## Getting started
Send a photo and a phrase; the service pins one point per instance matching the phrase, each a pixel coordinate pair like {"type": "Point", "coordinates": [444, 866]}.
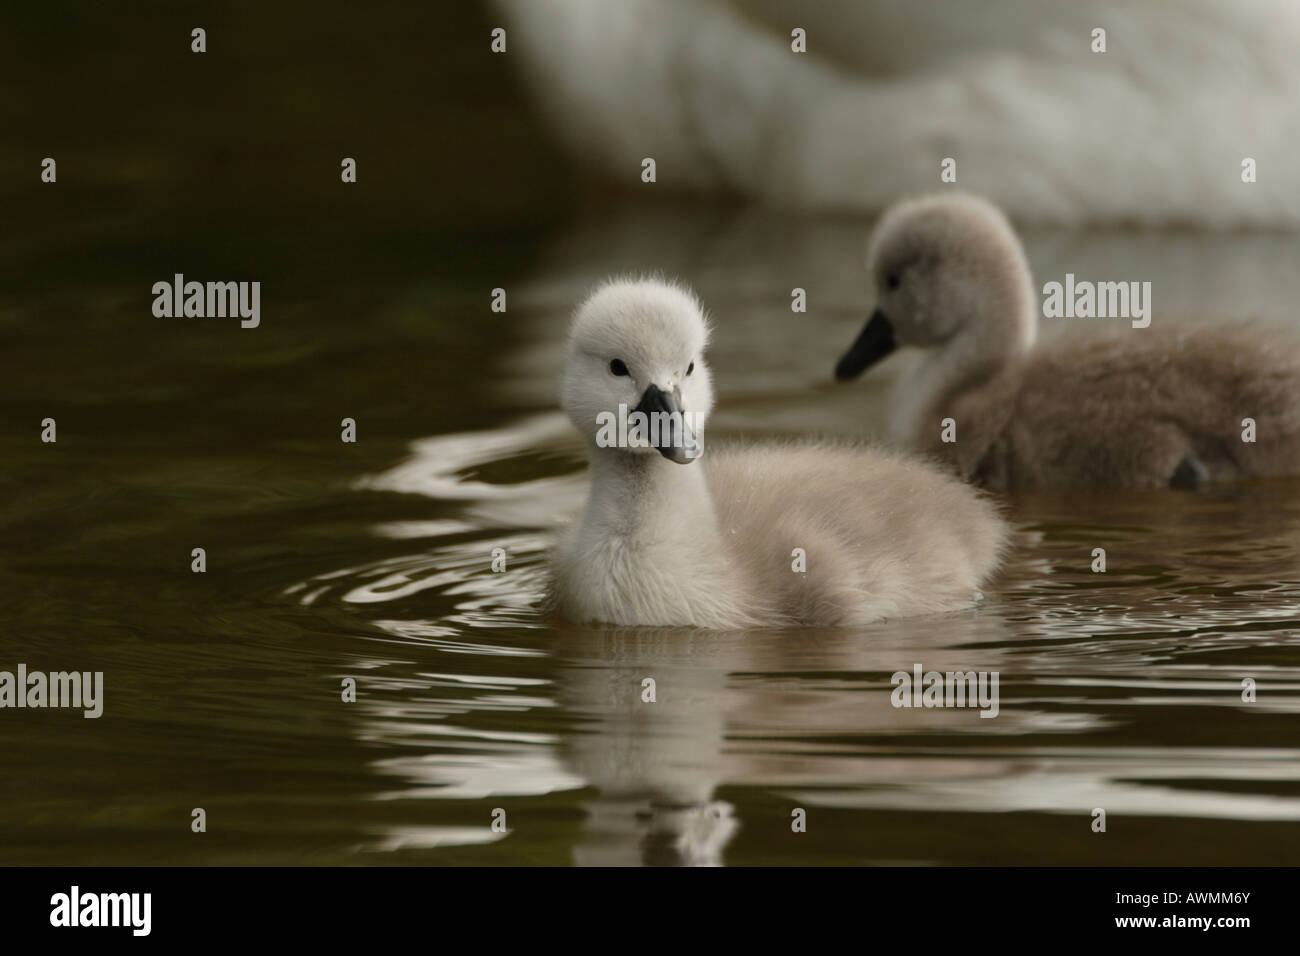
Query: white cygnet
{"type": "Point", "coordinates": [1143, 407]}
{"type": "Point", "coordinates": [765, 535]}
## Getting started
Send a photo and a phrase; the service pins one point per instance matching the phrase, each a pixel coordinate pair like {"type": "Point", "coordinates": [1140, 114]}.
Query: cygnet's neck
{"type": "Point", "coordinates": [647, 499]}
{"type": "Point", "coordinates": [967, 361]}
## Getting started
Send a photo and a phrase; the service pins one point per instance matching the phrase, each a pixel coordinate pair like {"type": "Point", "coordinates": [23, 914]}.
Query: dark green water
{"type": "Point", "coordinates": [371, 560]}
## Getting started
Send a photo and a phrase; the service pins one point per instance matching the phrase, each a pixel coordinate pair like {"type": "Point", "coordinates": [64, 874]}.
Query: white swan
{"type": "Point", "coordinates": [666, 541]}
{"type": "Point", "coordinates": [1156, 128]}
{"type": "Point", "coordinates": [1135, 407]}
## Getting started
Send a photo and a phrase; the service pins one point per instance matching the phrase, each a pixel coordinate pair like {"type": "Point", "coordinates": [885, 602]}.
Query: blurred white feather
{"type": "Point", "coordinates": [1154, 130]}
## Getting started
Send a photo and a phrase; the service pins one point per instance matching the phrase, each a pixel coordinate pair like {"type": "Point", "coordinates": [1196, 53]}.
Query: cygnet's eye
{"type": "Point", "coordinates": [618, 368]}
{"type": "Point", "coordinates": [892, 280]}
{"type": "Point", "coordinates": [690, 368]}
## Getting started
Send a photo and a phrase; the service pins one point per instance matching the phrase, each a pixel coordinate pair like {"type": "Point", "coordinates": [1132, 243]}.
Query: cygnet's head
{"type": "Point", "coordinates": [638, 346]}
{"type": "Point", "coordinates": [947, 268]}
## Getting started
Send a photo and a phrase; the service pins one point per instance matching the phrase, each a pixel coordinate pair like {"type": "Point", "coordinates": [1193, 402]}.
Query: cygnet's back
{"type": "Point", "coordinates": [880, 536]}
{"type": "Point", "coordinates": [1148, 408]}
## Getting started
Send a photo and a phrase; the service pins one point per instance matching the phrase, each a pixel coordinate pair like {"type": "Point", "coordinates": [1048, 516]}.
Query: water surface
{"type": "Point", "coordinates": [372, 560]}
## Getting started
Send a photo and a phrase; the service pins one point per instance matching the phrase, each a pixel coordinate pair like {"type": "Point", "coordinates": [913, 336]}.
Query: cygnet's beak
{"type": "Point", "coordinates": [875, 342]}
{"type": "Point", "coordinates": [669, 433]}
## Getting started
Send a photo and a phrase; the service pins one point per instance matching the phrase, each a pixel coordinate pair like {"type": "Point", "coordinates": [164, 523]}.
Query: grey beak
{"type": "Point", "coordinates": [874, 343]}
{"type": "Point", "coordinates": [668, 432]}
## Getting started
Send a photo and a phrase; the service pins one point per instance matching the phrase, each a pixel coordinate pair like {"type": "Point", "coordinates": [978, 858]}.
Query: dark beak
{"type": "Point", "coordinates": [875, 342]}
{"type": "Point", "coordinates": [666, 425]}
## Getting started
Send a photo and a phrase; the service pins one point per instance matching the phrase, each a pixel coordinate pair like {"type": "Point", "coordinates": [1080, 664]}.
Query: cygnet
{"type": "Point", "coordinates": [771, 535]}
{"type": "Point", "coordinates": [1148, 407]}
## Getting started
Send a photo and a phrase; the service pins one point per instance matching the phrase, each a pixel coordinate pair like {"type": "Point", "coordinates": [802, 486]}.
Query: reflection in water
{"type": "Point", "coordinates": [1185, 610]}
{"type": "Point", "coordinates": [655, 763]}
{"type": "Point", "coordinates": [1120, 690]}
